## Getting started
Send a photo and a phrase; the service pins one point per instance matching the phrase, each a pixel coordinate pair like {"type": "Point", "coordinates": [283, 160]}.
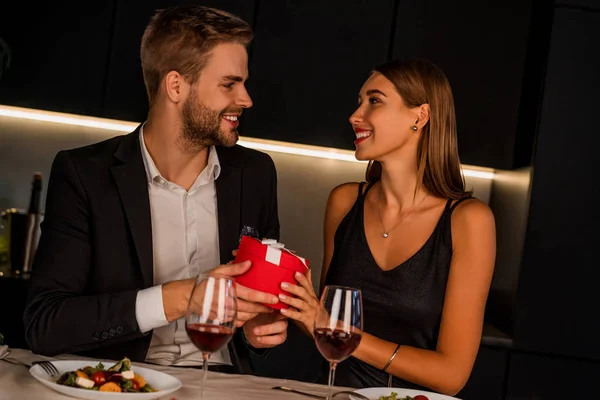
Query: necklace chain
{"type": "Point", "coordinates": [386, 233]}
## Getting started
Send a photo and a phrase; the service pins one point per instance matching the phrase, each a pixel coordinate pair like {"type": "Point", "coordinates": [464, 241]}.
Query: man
{"type": "Point", "coordinates": [129, 222]}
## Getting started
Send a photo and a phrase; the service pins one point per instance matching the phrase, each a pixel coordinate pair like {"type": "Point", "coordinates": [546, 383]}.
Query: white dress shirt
{"type": "Point", "coordinates": [185, 240]}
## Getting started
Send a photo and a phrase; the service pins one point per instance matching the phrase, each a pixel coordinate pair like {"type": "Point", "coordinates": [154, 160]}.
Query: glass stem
{"type": "Point", "coordinates": [332, 366]}
{"type": "Point", "coordinates": [204, 373]}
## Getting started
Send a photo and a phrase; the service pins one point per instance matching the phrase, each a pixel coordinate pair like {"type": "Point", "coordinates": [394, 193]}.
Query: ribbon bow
{"type": "Point", "coordinates": [274, 249]}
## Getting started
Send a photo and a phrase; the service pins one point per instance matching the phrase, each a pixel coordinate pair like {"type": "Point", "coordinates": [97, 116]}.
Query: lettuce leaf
{"type": "Point", "coordinates": [123, 365]}
{"type": "Point", "coordinates": [147, 389]}
{"type": "Point", "coordinates": [67, 379]}
{"type": "Point", "coordinates": [127, 385]}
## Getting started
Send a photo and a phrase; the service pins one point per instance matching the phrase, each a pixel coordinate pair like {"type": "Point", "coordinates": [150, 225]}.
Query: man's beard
{"type": "Point", "coordinates": [201, 126]}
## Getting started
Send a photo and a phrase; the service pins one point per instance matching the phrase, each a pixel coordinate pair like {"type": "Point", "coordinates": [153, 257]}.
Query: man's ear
{"type": "Point", "coordinates": [176, 88]}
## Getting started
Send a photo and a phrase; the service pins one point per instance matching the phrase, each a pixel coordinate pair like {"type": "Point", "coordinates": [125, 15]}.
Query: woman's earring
{"type": "Point", "coordinates": [414, 128]}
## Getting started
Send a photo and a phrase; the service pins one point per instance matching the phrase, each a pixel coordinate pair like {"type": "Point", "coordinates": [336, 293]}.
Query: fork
{"type": "Point", "coordinates": [48, 367]}
{"type": "Point", "coordinates": [351, 393]}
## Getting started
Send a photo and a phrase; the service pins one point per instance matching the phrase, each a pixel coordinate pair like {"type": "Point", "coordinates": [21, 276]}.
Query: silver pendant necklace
{"type": "Point", "coordinates": [385, 233]}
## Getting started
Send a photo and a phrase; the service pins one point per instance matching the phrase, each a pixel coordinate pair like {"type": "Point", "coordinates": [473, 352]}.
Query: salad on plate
{"type": "Point", "coordinates": [118, 378]}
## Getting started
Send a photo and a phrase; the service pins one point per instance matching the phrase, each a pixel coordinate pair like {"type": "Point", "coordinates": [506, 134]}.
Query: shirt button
{"type": "Point", "coordinates": [96, 336]}
{"type": "Point", "coordinates": [119, 330]}
{"type": "Point", "coordinates": [104, 335]}
{"type": "Point", "coordinates": [111, 332]}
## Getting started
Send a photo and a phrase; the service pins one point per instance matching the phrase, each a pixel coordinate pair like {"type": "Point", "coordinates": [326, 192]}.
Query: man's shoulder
{"type": "Point", "coordinates": [244, 157]}
{"type": "Point", "coordinates": [95, 152]}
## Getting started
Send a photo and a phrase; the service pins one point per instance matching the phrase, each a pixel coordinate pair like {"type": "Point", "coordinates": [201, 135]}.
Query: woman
{"type": "Point", "coordinates": [415, 242]}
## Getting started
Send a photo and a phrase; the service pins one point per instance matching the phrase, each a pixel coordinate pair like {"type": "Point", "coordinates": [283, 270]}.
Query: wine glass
{"type": "Point", "coordinates": [338, 326]}
{"type": "Point", "coordinates": [211, 316]}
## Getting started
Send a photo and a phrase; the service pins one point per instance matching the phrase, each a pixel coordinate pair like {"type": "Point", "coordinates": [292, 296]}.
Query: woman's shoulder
{"type": "Point", "coordinates": [472, 214]}
{"type": "Point", "coordinates": [345, 194]}
{"type": "Point", "coordinates": [470, 207]}
{"type": "Point", "coordinates": [342, 197]}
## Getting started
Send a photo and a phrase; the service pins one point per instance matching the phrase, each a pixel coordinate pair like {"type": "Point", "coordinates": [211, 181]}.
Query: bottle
{"type": "Point", "coordinates": [33, 223]}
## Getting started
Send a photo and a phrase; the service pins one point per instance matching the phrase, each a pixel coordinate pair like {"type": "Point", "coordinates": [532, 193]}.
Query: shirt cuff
{"type": "Point", "coordinates": [149, 310]}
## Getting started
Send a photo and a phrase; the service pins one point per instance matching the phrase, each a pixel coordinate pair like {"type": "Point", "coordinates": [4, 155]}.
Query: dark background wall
{"type": "Point", "coordinates": [524, 75]}
{"type": "Point", "coordinates": [308, 62]}
{"type": "Point", "coordinates": [556, 332]}
{"type": "Point", "coordinates": [550, 310]}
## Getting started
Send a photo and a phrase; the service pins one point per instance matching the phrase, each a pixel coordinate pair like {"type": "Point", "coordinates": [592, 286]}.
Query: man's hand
{"type": "Point", "coordinates": [266, 330]}
{"type": "Point", "coordinates": [176, 295]}
{"type": "Point", "coordinates": [248, 299]}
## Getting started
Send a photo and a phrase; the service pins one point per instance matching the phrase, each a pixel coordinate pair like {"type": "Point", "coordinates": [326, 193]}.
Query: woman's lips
{"type": "Point", "coordinates": [362, 135]}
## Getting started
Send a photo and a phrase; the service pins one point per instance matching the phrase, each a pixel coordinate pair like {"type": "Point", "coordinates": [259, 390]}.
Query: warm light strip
{"type": "Point", "coordinates": [302, 150]}
{"type": "Point", "coordinates": [69, 119]}
{"type": "Point", "coordinates": [253, 143]}
{"type": "Point", "coordinates": [476, 173]}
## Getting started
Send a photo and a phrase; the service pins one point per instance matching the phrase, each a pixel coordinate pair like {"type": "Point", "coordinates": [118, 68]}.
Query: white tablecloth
{"type": "Point", "coordinates": [16, 382]}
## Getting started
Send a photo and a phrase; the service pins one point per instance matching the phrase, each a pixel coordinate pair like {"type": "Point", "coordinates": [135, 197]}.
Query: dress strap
{"type": "Point", "coordinates": [458, 202]}
{"type": "Point", "coordinates": [448, 204]}
{"type": "Point", "coordinates": [369, 187]}
{"type": "Point", "coordinates": [360, 188]}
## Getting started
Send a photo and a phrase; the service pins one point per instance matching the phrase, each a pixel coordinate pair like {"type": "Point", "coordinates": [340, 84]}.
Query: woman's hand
{"type": "Point", "coordinates": [303, 308]}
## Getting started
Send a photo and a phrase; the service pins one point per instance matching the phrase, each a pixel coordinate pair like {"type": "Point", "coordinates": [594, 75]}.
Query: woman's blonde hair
{"type": "Point", "coordinates": [438, 166]}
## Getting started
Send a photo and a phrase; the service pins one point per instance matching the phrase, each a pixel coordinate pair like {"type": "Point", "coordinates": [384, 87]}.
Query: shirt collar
{"type": "Point", "coordinates": [210, 173]}
{"type": "Point", "coordinates": [213, 166]}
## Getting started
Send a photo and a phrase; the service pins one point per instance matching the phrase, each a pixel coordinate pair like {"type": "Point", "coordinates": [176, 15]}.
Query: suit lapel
{"type": "Point", "coordinates": [229, 191]}
{"type": "Point", "coordinates": [130, 178]}
{"type": "Point", "coordinates": [229, 194]}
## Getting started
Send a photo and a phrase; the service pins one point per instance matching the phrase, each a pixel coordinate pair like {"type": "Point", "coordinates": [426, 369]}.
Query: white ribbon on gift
{"type": "Point", "coordinates": [274, 249]}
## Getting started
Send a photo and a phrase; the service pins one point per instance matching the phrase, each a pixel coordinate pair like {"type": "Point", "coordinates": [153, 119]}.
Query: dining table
{"type": "Point", "coordinates": [17, 383]}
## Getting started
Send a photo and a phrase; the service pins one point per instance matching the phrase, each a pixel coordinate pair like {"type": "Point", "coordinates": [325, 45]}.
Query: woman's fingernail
{"type": "Point", "coordinates": [284, 310]}
{"type": "Point", "coordinates": [282, 296]}
{"type": "Point", "coordinates": [257, 331]}
{"type": "Point", "coordinates": [298, 274]}
{"type": "Point", "coordinates": [285, 285]}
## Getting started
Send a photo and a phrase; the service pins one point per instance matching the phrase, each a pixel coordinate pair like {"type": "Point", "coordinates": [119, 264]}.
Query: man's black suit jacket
{"type": "Point", "coordinates": [95, 250]}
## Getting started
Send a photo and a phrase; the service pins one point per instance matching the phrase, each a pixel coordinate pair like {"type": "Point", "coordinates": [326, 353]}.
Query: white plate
{"type": "Point", "coordinates": [374, 393]}
{"type": "Point", "coordinates": [162, 382]}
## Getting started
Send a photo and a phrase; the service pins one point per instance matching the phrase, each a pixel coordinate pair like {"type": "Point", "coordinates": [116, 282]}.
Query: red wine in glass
{"type": "Point", "coordinates": [336, 345]}
{"type": "Point", "coordinates": [209, 338]}
{"type": "Point", "coordinates": [338, 326]}
{"type": "Point", "coordinates": [211, 316]}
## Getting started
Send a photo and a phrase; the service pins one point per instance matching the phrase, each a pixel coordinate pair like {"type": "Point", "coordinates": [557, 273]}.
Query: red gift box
{"type": "Point", "coordinates": [272, 264]}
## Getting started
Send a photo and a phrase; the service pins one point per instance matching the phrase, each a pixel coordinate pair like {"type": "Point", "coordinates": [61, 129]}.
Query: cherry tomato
{"type": "Point", "coordinates": [135, 385]}
{"type": "Point", "coordinates": [98, 378]}
{"type": "Point", "coordinates": [420, 397]}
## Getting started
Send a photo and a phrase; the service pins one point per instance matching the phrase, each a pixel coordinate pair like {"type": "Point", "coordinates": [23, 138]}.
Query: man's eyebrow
{"type": "Point", "coordinates": [234, 78]}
